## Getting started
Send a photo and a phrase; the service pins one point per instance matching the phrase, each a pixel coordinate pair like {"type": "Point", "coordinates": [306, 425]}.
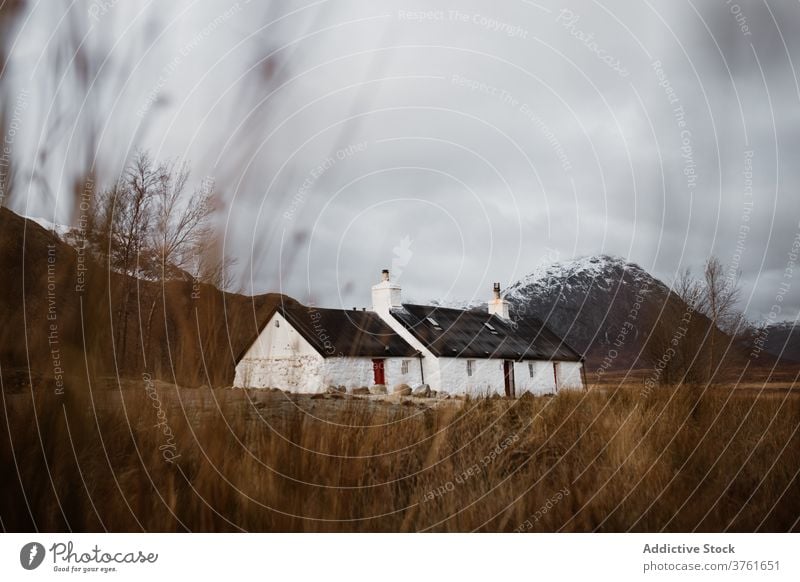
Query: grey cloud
{"type": "Point", "coordinates": [592, 157]}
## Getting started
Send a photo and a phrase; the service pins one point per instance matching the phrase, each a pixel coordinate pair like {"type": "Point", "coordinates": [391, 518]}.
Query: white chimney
{"type": "Point", "coordinates": [498, 306]}
{"type": "Point", "coordinates": [385, 295]}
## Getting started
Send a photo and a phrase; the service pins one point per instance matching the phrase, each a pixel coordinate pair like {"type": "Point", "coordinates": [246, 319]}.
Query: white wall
{"type": "Point", "coordinates": [569, 375]}
{"type": "Point", "coordinates": [487, 377]}
{"type": "Point", "coordinates": [297, 374]}
{"type": "Point", "coordinates": [311, 374]}
{"type": "Point", "coordinates": [282, 340]}
{"type": "Point", "coordinates": [282, 358]}
{"type": "Point", "coordinates": [347, 372]}
{"type": "Point", "coordinates": [356, 372]}
{"type": "Point", "coordinates": [543, 381]}
{"type": "Point", "coordinates": [394, 373]}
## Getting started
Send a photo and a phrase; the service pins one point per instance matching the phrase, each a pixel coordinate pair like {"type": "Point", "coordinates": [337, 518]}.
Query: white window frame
{"type": "Point", "coordinates": [470, 367]}
{"type": "Point", "coordinates": [530, 369]}
{"type": "Point", "coordinates": [404, 366]}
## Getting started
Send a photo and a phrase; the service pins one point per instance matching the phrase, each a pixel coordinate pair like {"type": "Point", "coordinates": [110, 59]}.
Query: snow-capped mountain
{"type": "Point", "coordinates": [466, 304]}
{"type": "Point", "coordinates": [589, 300]}
{"type": "Point", "coordinates": [599, 270]}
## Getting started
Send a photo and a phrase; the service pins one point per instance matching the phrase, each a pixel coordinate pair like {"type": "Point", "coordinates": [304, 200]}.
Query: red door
{"type": "Point", "coordinates": [508, 376]}
{"type": "Point", "coordinates": [377, 369]}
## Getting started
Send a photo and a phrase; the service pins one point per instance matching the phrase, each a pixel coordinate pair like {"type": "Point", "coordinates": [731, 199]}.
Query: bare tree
{"type": "Point", "coordinates": [718, 305]}
{"type": "Point", "coordinates": [132, 216]}
{"type": "Point", "coordinates": [150, 226]}
{"type": "Point", "coordinates": [181, 222]}
{"type": "Point", "coordinates": [180, 229]}
{"type": "Point", "coordinates": [699, 314]}
{"type": "Point", "coordinates": [132, 213]}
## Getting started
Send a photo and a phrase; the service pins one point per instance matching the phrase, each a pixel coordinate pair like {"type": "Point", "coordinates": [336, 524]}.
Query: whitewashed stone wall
{"type": "Point", "coordinates": [279, 339]}
{"type": "Point", "coordinates": [301, 373]}
{"type": "Point", "coordinates": [356, 372]}
{"type": "Point", "coordinates": [487, 377]}
{"type": "Point", "coordinates": [348, 372]}
{"type": "Point", "coordinates": [393, 369]}
{"type": "Point", "coordinates": [569, 375]}
{"type": "Point", "coordinates": [313, 373]}
{"type": "Point", "coordinates": [280, 358]}
{"type": "Point", "coordinates": [542, 382]}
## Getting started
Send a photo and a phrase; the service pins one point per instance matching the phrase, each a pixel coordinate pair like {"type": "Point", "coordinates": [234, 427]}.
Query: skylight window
{"type": "Point", "coordinates": [434, 323]}
{"type": "Point", "coordinates": [491, 328]}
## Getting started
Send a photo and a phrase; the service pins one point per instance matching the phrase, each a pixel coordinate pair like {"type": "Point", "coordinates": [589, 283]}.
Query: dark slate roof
{"type": "Point", "coordinates": [464, 334]}
{"type": "Point", "coordinates": [339, 332]}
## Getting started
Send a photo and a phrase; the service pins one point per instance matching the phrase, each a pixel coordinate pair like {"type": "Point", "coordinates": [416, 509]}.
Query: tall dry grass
{"type": "Point", "coordinates": [676, 460]}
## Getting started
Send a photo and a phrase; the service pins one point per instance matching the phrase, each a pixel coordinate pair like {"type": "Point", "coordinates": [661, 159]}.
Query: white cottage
{"type": "Point", "coordinates": [306, 349]}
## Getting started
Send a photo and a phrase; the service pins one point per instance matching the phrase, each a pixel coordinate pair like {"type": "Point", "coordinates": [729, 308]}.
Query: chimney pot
{"type": "Point", "coordinates": [385, 275]}
{"type": "Point", "coordinates": [498, 306]}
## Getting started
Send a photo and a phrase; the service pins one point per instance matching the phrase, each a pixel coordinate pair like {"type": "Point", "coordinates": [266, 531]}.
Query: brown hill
{"type": "Point", "coordinates": [61, 314]}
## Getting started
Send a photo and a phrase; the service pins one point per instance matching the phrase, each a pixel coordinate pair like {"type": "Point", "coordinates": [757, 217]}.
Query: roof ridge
{"type": "Point", "coordinates": [442, 308]}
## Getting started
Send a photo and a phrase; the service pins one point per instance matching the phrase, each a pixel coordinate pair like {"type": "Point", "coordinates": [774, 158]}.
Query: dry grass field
{"type": "Point", "coordinates": [146, 455]}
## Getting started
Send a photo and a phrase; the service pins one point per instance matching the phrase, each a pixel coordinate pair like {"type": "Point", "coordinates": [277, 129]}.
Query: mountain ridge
{"type": "Point", "coordinates": [588, 300]}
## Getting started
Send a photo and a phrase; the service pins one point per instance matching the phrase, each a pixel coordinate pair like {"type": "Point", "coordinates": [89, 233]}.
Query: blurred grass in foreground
{"type": "Point", "coordinates": [151, 456]}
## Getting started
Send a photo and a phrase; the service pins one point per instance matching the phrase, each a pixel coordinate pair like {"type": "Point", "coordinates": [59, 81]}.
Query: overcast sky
{"type": "Point", "coordinates": [458, 143]}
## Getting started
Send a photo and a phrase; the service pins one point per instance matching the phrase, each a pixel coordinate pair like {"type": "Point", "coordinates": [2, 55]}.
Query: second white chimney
{"type": "Point", "coordinates": [498, 306]}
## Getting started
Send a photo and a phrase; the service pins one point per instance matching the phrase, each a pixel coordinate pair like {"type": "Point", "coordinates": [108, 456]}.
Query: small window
{"type": "Point", "coordinates": [491, 328]}
{"type": "Point", "coordinates": [404, 367]}
{"type": "Point", "coordinates": [470, 367]}
{"type": "Point", "coordinates": [277, 323]}
{"type": "Point", "coordinates": [530, 369]}
{"type": "Point", "coordinates": [434, 323]}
